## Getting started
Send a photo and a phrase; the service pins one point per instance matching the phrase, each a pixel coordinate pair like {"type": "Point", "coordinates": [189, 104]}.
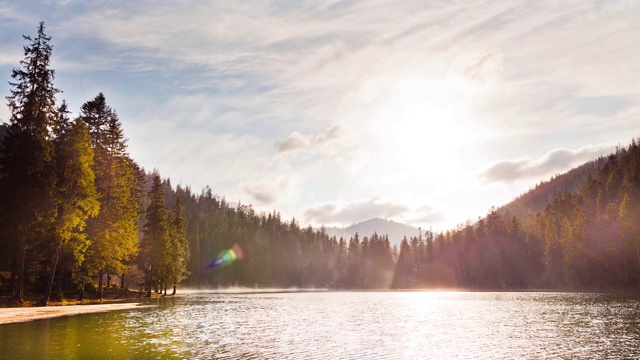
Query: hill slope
{"type": "Point", "coordinates": [543, 194]}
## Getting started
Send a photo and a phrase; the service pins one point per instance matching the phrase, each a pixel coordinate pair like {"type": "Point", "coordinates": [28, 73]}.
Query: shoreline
{"type": "Point", "coordinates": [25, 314]}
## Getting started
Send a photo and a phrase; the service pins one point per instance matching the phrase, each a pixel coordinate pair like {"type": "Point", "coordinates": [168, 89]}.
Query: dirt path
{"type": "Point", "coordinates": [13, 315]}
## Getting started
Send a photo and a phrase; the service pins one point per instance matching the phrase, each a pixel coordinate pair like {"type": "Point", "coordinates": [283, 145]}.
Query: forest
{"type": "Point", "coordinates": [77, 210]}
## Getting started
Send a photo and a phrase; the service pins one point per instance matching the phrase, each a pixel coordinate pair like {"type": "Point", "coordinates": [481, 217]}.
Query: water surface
{"type": "Point", "coordinates": [344, 325]}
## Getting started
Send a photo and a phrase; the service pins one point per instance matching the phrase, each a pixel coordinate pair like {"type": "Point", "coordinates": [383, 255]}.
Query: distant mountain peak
{"type": "Point", "coordinates": [396, 231]}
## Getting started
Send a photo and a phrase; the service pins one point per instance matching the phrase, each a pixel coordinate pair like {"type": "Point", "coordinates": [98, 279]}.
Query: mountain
{"type": "Point", "coordinates": [394, 230]}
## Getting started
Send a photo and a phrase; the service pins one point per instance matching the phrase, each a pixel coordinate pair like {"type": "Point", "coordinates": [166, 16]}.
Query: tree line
{"type": "Point", "coordinates": [75, 208]}
{"type": "Point", "coordinates": [588, 238]}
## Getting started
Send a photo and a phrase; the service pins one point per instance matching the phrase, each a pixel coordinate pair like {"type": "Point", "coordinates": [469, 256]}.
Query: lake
{"type": "Point", "coordinates": [343, 325]}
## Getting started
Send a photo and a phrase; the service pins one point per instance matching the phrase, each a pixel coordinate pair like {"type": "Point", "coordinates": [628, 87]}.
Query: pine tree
{"type": "Point", "coordinates": [76, 195]}
{"type": "Point", "coordinates": [402, 274]}
{"type": "Point", "coordinates": [156, 235]}
{"type": "Point", "coordinates": [114, 231]}
{"type": "Point", "coordinates": [179, 255]}
{"type": "Point", "coordinates": [354, 275]}
{"type": "Point", "coordinates": [27, 173]}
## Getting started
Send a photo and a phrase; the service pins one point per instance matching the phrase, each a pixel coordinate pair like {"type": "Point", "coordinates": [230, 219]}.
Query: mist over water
{"type": "Point", "coordinates": [248, 290]}
{"type": "Point", "coordinates": [345, 325]}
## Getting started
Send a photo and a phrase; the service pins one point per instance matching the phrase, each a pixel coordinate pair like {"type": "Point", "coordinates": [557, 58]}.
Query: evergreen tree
{"type": "Point", "coordinates": [114, 231]}
{"type": "Point", "coordinates": [27, 173]}
{"type": "Point", "coordinates": [156, 236]}
{"type": "Point", "coordinates": [354, 272]}
{"type": "Point", "coordinates": [76, 195]}
{"type": "Point", "coordinates": [341, 263]}
{"type": "Point", "coordinates": [179, 251]}
{"type": "Point", "coordinates": [402, 274]}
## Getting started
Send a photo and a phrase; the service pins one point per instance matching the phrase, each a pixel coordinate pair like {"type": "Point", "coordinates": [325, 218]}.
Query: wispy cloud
{"type": "Point", "coordinates": [478, 67]}
{"type": "Point", "coordinates": [266, 191]}
{"type": "Point", "coordinates": [296, 141]}
{"type": "Point", "coordinates": [555, 161]}
{"type": "Point", "coordinates": [354, 211]}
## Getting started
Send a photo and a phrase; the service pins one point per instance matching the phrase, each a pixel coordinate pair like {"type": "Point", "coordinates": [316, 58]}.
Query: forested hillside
{"type": "Point", "coordinates": [75, 209]}
{"type": "Point", "coordinates": [587, 239]}
{"type": "Point", "coordinates": [546, 192]}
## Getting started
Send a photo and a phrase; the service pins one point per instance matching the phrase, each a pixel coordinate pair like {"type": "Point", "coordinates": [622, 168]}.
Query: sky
{"type": "Point", "coordinates": [335, 112]}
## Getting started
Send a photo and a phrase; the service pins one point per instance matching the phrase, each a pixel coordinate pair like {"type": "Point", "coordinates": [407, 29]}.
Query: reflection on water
{"type": "Point", "coordinates": [344, 325]}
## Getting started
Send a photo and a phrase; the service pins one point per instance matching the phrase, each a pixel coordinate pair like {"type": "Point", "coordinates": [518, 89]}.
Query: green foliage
{"type": "Point", "coordinates": [27, 172]}
{"type": "Point", "coordinates": [156, 245]}
{"type": "Point", "coordinates": [179, 246]}
{"type": "Point", "coordinates": [77, 195]}
{"type": "Point", "coordinates": [114, 231]}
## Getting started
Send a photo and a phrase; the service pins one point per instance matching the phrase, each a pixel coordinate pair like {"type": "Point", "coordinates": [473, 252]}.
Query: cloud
{"type": "Point", "coordinates": [334, 132]}
{"type": "Point", "coordinates": [266, 191]}
{"type": "Point", "coordinates": [354, 211]}
{"type": "Point", "coordinates": [296, 141]}
{"type": "Point", "coordinates": [480, 67]}
{"type": "Point", "coordinates": [557, 160]}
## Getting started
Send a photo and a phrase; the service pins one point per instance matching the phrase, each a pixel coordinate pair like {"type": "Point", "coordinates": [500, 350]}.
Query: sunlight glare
{"type": "Point", "coordinates": [422, 121]}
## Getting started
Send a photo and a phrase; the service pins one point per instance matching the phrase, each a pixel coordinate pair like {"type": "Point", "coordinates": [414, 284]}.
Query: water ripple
{"type": "Point", "coordinates": [344, 325]}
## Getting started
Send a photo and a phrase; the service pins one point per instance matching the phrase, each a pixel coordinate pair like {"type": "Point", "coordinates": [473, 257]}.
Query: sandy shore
{"type": "Point", "coordinates": [13, 315]}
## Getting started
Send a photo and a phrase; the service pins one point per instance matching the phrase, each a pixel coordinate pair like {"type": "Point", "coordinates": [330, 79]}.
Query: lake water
{"type": "Point", "coordinates": [343, 325]}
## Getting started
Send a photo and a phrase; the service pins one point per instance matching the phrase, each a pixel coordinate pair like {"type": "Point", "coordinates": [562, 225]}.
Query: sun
{"type": "Point", "coordinates": [422, 122]}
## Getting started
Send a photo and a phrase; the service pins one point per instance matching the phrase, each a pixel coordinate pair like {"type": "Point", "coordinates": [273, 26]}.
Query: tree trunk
{"type": "Point", "coordinates": [165, 289]}
{"type": "Point", "coordinates": [100, 276]}
{"type": "Point", "coordinates": [503, 283]}
{"type": "Point", "coordinates": [15, 269]}
{"type": "Point", "coordinates": [52, 275]}
{"type": "Point", "coordinates": [108, 280]}
{"type": "Point", "coordinates": [150, 283]}
{"type": "Point", "coordinates": [82, 288]}
{"type": "Point", "coordinates": [174, 288]}
{"type": "Point", "coordinates": [62, 281]}
{"type": "Point", "coordinates": [123, 286]}
{"type": "Point", "coordinates": [18, 290]}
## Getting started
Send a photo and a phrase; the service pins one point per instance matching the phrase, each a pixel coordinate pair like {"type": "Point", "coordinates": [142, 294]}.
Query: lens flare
{"type": "Point", "coordinates": [226, 257]}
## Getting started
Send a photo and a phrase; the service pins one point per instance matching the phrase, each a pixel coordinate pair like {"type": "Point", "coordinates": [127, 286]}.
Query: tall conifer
{"type": "Point", "coordinates": [179, 254]}
{"type": "Point", "coordinates": [114, 232]}
{"type": "Point", "coordinates": [27, 178]}
{"type": "Point", "coordinates": [76, 195]}
{"type": "Point", "coordinates": [156, 235]}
